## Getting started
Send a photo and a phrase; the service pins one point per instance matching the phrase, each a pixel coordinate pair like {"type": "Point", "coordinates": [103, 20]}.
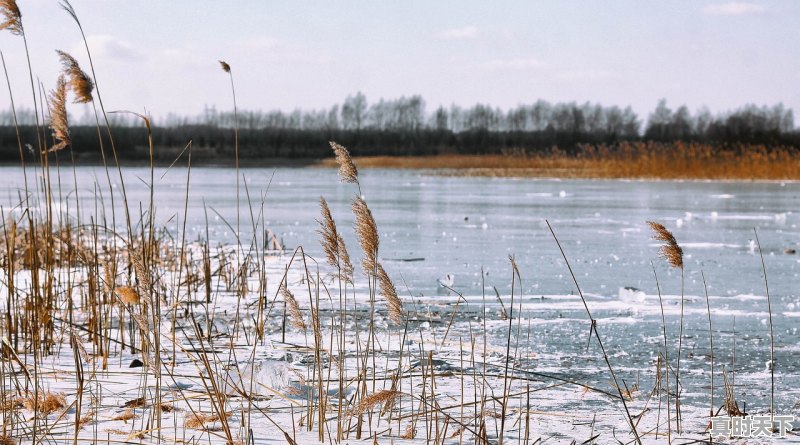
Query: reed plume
{"type": "Point", "coordinates": [330, 237]}
{"type": "Point", "coordinates": [294, 308]}
{"type": "Point", "coordinates": [367, 232]}
{"type": "Point", "coordinates": [344, 259]}
{"type": "Point", "coordinates": [79, 82]}
{"type": "Point", "coordinates": [670, 249]}
{"type": "Point", "coordinates": [225, 66]}
{"type": "Point", "coordinates": [58, 115]}
{"type": "Point", "coordinates": [390, 294]}
{"type": "Point", "coordinates": [333, 243]}
{"type": "Point", "coordinates": [347, 169]}
{"type": "Point", "coordinates": [12, 17]}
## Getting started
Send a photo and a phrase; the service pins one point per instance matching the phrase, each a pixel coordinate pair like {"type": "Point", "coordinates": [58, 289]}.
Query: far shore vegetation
{"type": "Point", "coordinates": [540, 139]}
{"type": "Point", "coordinates": [638, 160]}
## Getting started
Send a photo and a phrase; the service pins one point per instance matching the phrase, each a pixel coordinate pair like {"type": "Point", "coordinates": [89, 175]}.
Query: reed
{"type": "Point", "coordinates": [673, 253]}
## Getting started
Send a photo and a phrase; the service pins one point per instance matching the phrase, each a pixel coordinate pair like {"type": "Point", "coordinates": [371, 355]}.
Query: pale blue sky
{"type": "Point", "coordinates": [162, 55]}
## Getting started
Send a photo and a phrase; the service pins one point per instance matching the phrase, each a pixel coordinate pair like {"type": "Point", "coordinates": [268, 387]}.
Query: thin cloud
{"type": "Point", "coordinates": [513, 64]}
{"type": "Point", "coordinates": [733, 8]}
{"type": "Point", "coordinates": [467, 32]}
{"type": "Point", "coordinates": [109, 47]}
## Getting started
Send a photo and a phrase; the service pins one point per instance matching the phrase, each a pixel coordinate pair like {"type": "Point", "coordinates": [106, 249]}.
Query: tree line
{"type": "Point", "coordinates": [403, 126]}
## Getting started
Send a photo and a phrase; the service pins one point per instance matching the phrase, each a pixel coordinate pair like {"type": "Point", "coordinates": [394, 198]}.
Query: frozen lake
{"type": "Point", "coordinates": [460, 225]}
{"type": "Point", "coordinates": [432, 226]}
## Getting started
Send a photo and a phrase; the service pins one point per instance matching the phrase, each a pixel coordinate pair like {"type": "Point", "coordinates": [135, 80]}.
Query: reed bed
{"type": "Point", "coordinates": [129, 332]}
{"type": "Point", "coordinates": [634, 160]}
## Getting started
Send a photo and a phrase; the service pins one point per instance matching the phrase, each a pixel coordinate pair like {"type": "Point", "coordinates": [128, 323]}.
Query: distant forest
{"type": "Point", "coordinates": [403, 127]}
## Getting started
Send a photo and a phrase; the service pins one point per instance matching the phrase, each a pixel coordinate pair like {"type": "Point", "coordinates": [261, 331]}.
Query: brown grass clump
{"type": "Point", "coordinates": [198, 421]}
{"type": "Point", "coordinates": [47, 403]}
{"type": "Point", "coordinates": [375, 399]}
{"type": "Point", "coordinates": [670, 250]}
{"type": "Point", "coordinates": [367, 231]}
{"type": "Point", "coordinates": [138, 402]}
{"type": "Point", "coordinates": [347, 169]}
{"type": "Point", "coordinates": [6, 440]}
{"type": "Point", "coordinates": [12, 17]}
{"type": "Point", "coordinates": [127, 295]}
{"type": "Point", "coordinates": [58, 115]}
{"type": "Point", "coordinates": [730, 405]}
{"type": "Point", "coordinates": [125, 416]}
{"type": "Point", "coordinates": [390, 294]}
{"type": "Point", "coordinates": [167, 408]}
{"type": "Point", "coordinates": [410, 432]}
{"type": "Point", "coordinates": [80, 82]}
{"type": "Point", "coordinates": [194, 421]}
{"type": "Point", "coordinates": [295, 315]}
{"type": "Point", "coordinates": [85, 420]}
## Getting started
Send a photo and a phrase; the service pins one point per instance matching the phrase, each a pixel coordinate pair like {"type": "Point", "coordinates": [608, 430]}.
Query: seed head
{"type": "Point", "coordinates": [12, 17]}
{"type": "Point", "coordinates": [80, 82]}
{"type": "Point", "coordinates": [347, 169]}
{"type": "Point", "coordinates": [670, 249]}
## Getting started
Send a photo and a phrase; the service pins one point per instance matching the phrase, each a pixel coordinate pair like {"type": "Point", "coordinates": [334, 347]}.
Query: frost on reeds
{"type": "Point", "coordinates": [333, 243]}
{"type": "Point", "coordinates": [12, 17]}
{"type": "Point", "coordinates": [347, 169]}
{"type": "Point", "coordinates": [367, 232]}
{"type": "Point", "coordinates": [78, 81]}
{"type": "Point", "coordinates": [295, 314]}
{"type": "Point", "coordinates": [58, 115]}
{"type": "Point", "coordinates": [670, 249]}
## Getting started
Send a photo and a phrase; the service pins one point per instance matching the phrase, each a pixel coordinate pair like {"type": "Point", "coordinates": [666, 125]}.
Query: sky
{"type": "Point", "coordinates": [161, 56]}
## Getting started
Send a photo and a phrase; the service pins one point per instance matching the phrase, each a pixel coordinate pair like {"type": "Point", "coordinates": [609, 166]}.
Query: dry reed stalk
{"type": "Point", "coordinates": [295, 314]}
{"type": "Point", "coordinates": [771, 334]}
{"type": "Point", "coordinates": [225, 66]}
{"type": "Point", "coordinates": [666, 360]}
{"type": "Point", "coordinates": [711, 341]}
{"type": "Point", "coordinates": [367, 232]}
{"type": "Point", "coordinates": [58, 113]}
{"type": "Point", "coordinates": [674, 256]}
{"type": "Point", "coordinates": [347, 169]}
{"type": "Point", "coordinates": [593, 322]}
{"type": "Point", "coordinates": [80, 82]}
{"type": "Point", "coordinates": [730, 405]}
{"type": "Point", "coordinates": [12, 17]}
{"type": "Point", "coordinates": [389, 292]}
